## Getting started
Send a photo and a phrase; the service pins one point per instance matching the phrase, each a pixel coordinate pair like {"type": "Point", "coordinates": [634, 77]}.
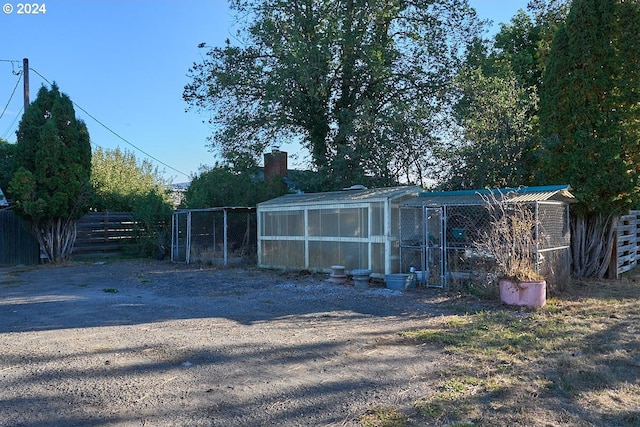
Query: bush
{"type": "Point", "coordinates": [152, 214]}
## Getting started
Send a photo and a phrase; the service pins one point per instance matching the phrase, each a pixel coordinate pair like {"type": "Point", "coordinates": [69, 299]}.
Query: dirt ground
{"type": "Point", "coordinates": [135, 343]}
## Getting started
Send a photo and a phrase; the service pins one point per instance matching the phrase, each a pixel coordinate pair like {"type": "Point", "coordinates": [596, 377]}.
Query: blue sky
{"type": "Point", "coordinates": [125, 63]}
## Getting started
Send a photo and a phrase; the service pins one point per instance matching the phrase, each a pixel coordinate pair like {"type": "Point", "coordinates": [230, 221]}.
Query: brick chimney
{"type": "Point", "coordinates": [275, 164]}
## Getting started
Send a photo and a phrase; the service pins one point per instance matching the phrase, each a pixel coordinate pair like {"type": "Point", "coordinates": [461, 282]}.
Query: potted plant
{"type": "Point", "coordinates": [510, 242]}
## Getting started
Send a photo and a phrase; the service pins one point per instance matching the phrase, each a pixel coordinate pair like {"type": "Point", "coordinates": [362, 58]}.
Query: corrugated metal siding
{"type": "Point", "coordinates": [561, 193]}
{"type": "Point", "coordinates": [339, 197]}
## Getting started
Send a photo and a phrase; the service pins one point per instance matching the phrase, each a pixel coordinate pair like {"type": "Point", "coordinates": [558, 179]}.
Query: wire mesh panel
{"type": "Point", "coordinates": [433, 274]}
{"type": "Point", "coordinates": [466, 266]}
{"type": "Point", "coordinates": [553, 226]}
{"type": "Point", "coordinates": [422, 244]}
{"type": "Point", "coordinates": [554, 240]}
{"type": "Point", "coordinates": [179, 236]}
{"type": "Point", "coordinates": [462, 264]}
{"type": "Point", "coordinates": [412, 238]}
{"type": "Point", "coordinates": [216, 236]}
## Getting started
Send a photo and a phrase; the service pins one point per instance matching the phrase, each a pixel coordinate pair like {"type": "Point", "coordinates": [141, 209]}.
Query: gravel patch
{"type": "Point", "coordinates": [135, 343]}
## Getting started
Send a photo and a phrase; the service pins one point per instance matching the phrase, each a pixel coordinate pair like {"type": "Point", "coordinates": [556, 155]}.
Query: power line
{"type": "Point", "coordinates": [114, 132]}
{"type": "Point", "coordinates": [12, 93]}
{"type": "Point", "coordinates": [4, 135]}
{"type": "Point", "coordinates": [123, 139]}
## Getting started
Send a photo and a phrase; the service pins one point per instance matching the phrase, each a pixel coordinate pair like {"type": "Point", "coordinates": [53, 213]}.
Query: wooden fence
{"type": "Point", "coordinates": [17, 243]}
{"type": "Point", "coordinates": [102, 234]}
{"type": "Point", "coordinates": [628, 242]}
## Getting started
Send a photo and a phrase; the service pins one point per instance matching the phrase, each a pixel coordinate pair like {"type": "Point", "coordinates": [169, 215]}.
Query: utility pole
{"type": "Point", "coordinates": [25, 80]}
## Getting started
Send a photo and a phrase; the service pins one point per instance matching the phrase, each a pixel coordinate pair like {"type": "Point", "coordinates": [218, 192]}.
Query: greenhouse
{"type": "Point", "coordinates": [439, 231]}
{"type": "Point", "coordinates": [356, 228]}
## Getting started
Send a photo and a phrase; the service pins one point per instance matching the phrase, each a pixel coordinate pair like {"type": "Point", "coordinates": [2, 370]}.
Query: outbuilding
{"type": "Point", "coordinates": [357, 228]}
{"type": "Point", "coordinates": [438, 231]}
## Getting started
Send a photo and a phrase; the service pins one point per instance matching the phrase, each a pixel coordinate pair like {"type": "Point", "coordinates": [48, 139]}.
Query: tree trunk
{"type": "Point", "coordinates": [56, 238]}
{"type": "Point", "coordinates": [592, 240]}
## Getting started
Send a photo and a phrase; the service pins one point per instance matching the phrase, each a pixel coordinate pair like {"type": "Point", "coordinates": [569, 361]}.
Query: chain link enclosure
{"type": "Point", "coordinates": [217, 236]}
{"type": "Point", "coordinates": [438, 231]}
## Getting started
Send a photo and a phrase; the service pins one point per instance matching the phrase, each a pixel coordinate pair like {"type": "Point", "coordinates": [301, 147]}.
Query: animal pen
{"type": "Point", "coordinates": [438, 231]}
{"type": "Point", "coordinates": [221, 236]}
{"type": "Point", "coordinates": [356, 228]}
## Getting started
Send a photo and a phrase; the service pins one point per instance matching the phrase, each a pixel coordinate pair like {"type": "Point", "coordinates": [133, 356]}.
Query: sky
{"type": "Point", "coordinates": [124, 64]}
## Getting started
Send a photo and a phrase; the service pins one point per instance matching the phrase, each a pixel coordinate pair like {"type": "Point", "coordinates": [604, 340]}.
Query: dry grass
{"type": "Point", "coordinates": [574, 362]}
{"type": "Point", "coordinates": [384, 417]}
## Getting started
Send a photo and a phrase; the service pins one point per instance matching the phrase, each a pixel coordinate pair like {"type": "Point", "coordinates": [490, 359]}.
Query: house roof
{"type": "Point", "coordinates": [561, 193]}
{"type": "Point", "coordinates": [344, 196]}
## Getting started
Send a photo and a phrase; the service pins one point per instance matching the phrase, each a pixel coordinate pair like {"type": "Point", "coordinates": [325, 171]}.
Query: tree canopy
{"type": "Point", "coordinates": [229, 185]}
{"type": "Point", "coordinates": [590, 116]}
{"type": "Point", "coordinates": [7, 163]}
{"type": "Point", "coordinates": [496, 138]}
{"type": "Point", "coordinates": [497, 132]}
{"type": "Point", "coordinates": [118, 179]}
{"type": "Point", "coordinates": [359, 83]}
{"type": "Point", "coordinates": [51, 185]}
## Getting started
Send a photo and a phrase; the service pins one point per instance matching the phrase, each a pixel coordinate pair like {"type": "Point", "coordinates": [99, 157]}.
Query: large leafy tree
{"type": "Point", "coordinates": [122, 183]}
{"type": "Point", "coordinates": [51, 185]}
{"type": "Point", "coordinates": [359, 83]}
{"type": "Point", "coordinates": [590, 113]}
{"type": "Point", "coordinates": [496, 136]}
{"type": "Point", "coordinates": [119, 179]}
{"type": "Point", "coordinates": [525, 41]}
{"type": "Point", "coordinates": [497, 132]}
{"type": "Point", "coordinates": [231, 185]}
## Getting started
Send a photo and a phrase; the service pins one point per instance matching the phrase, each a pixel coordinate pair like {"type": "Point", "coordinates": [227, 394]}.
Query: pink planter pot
{"type": "Point", "coordinates": [530, 294]}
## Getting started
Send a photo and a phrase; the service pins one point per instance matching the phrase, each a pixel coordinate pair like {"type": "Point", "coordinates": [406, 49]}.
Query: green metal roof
{"type": "Point", "coordinates": [344, 196]}
{"type": "Point", "coordinates": [561, 193]}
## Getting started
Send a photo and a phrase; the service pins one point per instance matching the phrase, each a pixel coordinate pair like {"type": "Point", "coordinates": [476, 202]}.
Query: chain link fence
{"type": "Point", "coordinates": [216, 236]}
{"type": "Point", "coordinates": [438, 242]}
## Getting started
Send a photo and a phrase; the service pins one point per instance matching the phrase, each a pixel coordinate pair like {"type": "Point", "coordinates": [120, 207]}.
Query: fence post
{"type": "Point", "coordinates": [225, 244]}
{"type": "Point", "coordinates": [187, 255]}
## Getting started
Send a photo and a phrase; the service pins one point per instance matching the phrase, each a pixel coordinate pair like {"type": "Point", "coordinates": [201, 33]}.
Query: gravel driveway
{"type": "Point", "coordinates": [133, 343]}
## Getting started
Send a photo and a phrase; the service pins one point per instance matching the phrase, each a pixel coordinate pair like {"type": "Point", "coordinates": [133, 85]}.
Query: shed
{"type": "Point", "coordinates": [437, 231]}
{"type": "Point", "coordinates": [357, 228]}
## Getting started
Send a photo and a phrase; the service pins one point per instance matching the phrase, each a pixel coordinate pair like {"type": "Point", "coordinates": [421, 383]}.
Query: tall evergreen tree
{"type": "Point", "coordinates": [590, 114]}
{"type": "Point", "coordinates": [51, 184]}
{"type": "Point", "coordinates": [7, 163]}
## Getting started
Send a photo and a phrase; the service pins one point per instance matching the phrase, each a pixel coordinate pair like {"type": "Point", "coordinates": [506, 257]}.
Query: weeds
{"type": "Point", "coordinates": [574, 362]}
{"type": "Point", "coordinates": [384, 417]}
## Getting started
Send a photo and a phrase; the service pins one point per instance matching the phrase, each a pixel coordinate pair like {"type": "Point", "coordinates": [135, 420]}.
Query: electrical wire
{"type": "Point", "coordinates": [114, 132]}
{"type": "Point", "coordinates": [12, 93]}
{"type": "Point", "coordinates": [4, 135]}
